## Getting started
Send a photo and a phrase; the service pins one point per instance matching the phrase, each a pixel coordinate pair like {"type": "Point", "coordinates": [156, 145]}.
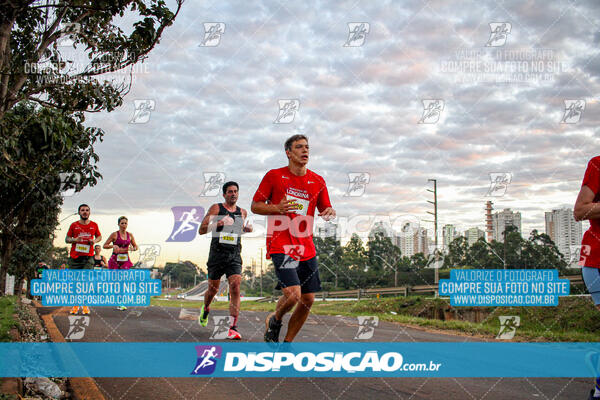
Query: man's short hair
{"type": "Point", "coordinates": [292, 139]}
{"type": "Point", "coordinates": [81, 205]}
{"type": "Point", "coordinates": [230, 183]}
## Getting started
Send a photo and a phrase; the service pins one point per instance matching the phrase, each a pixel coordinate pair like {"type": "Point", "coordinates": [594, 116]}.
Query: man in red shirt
{"type": "Point", "coordinates": [289, 196]}
{"type": "Point", "coordinates": [82, 235]}
{"type": "Point", "coordinates": [587, 207]}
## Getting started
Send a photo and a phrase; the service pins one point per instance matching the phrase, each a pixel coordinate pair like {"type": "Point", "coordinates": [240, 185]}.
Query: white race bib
{"type": "Point", "coordinates": [228, 238]}
{"type": "Point", "coordinates": [122, 257]}
{"type": "Point", "coordinates": [301, 205]}
{"type": "Point", "coordinates": [82, 248]}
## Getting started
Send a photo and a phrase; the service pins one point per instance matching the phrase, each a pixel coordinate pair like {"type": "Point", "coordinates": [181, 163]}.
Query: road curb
{"type": "Point", "coordinates": [82, 388]}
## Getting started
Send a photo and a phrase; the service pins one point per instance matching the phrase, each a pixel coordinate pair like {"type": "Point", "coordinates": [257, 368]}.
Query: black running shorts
{"type": "Point", "coordinates": [291, 272]}
{"type": "Point", "coordinates": [224, 265]}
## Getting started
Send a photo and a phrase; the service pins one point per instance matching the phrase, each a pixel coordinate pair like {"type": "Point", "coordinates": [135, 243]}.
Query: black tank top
{"type": "Point", "coordinates": [227, 239]}
{"type": "Point", "coordinates": [97, 263]}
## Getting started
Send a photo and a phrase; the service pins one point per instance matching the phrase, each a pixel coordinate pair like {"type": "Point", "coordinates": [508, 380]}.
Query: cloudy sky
{"type": "Point", "coordinates": [360, 103]}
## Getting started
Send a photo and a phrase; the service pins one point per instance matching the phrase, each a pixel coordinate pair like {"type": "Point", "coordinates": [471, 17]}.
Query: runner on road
{"type": "Point", "coordinates": [289, 196]}
{"type": "Point", "coordinates": [99, 259]}
{"type": "Point", "coordinates": [587, 207]}
{"type": "Point", "coordinates": [121, 242]}
{"type": "Point", "coordinates": [226, 222]}
{"type": "Point", "coordinates": [82, 235]}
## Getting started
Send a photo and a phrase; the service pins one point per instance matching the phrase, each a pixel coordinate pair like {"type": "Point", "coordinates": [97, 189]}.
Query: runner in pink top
{"type": "Point", "coordinates": [120, 241]}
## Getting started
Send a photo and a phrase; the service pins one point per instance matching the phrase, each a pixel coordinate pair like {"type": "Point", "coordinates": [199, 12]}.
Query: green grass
{"type": "Point", "coordinates": [7, 319]}
{"type": "Point", "coordinates": [575, 319]}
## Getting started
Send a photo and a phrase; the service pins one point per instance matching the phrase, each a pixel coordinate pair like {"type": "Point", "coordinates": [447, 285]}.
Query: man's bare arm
{"type": "Point", "coordinates": [585, 208]}
{"type": "Point", "coordinates": [206, 225]}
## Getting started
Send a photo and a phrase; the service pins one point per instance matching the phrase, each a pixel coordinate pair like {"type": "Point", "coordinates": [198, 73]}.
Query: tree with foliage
{"type": "Point", "coordinates": [329, 254]}
{"type": "Point", "coordinates": [37, 146]}
{"type": "Point", "coordinates": [37, 66]}
{"type": "Point", "coordinates": [354, 262]}
{"type": "Point", "coordinates": [182, 273]}
{"type": "Point", "coordinates": [384, 259]}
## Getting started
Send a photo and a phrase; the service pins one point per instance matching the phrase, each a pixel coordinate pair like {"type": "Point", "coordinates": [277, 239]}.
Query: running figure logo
{"type": "Point", "coordinates": [578, 254]}
{"type": "Point", "coordinates": [573, 111]}
{"type": "Point", "coordinates": [77, 325]}
{"type": "Point", "coordinates": [435, 257]}
{"type": "Point", "coordinates": [187, 221]}
{"type": "Point", "coordinates": [212, 183]}
{"type": "Point", "coordinates": [293, 254]}
{"type": "Point", "coordinates": [142, 111]}
{"type": "Point", "coordinates": [432, 109]}
{"type": "Point", "coordinates": [221, 329]}
{"type": "Point", "coordinates": [357, 33]}
{"type": "Point", "coordinates": [508, 326]}
{"type": "Point", "coordinates": [499, 182]}
{"type": "Point", "coordinates": [287, 111]}
{"type": "Point", "coordinates": [148, 254]}
{"type": "Point", "coordinates": [212, 34]}
{"type": "Point", "coordinates": [499, 34]}
{"type": "Point", "coordinates": [67, 34]}
{"type": "Point", "coordinates": [366, 327]}
{"type": "Point", "coordinates": [68, 183]}
{"type": "Point", "coordinates": [207, 359]}
{"type": "Point", "coordinates": [357, 183]}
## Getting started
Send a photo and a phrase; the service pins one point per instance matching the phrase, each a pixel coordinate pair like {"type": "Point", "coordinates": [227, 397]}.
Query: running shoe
{"type": "Point", "coordinates": [592, 395]}
{"type": "Point", "coordinates": [74, 310]}
{"type": "Point", "coordinates": [121, 308]}
{"type": "Point", "coordinates": [86, 310]}
{"type": "Point", "coordinates": [203, 317]}
{"type": "Point", "coordinates": [234, 334]}
{"type": "Point", "coordinates": [273, 328]}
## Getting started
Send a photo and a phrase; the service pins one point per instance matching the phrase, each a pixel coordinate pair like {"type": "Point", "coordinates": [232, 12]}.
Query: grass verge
{"type": "Point", "coordinates": [7, 318]}
{"type": "Point", "coordinates": [575, 319]}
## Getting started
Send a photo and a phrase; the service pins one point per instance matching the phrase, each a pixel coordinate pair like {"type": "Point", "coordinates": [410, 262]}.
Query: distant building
{"type": "Point", "coordinates": [473, 235]}
{"type": "Point", "coordinates": [563, 230]}
{"type": "Point", "coordinates": [501, 220]}
{"type": "Point", "coordinates": [449, 233]}
{"type": "Point", "coordinates": [412, 241]}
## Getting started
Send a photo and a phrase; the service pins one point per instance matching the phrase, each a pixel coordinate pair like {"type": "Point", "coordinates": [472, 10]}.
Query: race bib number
{"type": "Point", "coordinates": [122, 257]}
{"type": "Point", "coordinates": [301, 206]}
{"type": "Point", "coordinates": [82, 248]}
{"type": "Point", "coordinates": [228, 238]}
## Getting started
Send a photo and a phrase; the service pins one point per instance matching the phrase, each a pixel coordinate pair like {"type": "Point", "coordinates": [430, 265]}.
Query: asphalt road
{"type": "Point", "coordinates": [167, 324]}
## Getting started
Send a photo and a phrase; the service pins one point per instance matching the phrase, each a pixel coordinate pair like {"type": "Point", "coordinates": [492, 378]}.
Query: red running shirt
{"type": "Point", "coordinates": [590, 245]}
{"type": "Point", "coordinates": [292, 233]}
{"type": "Point", "coordinates": [90, 230]}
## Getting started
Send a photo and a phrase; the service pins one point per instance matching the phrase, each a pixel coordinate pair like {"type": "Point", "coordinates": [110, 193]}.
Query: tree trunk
{"type": "Point", "coordinates": [6, 251]}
